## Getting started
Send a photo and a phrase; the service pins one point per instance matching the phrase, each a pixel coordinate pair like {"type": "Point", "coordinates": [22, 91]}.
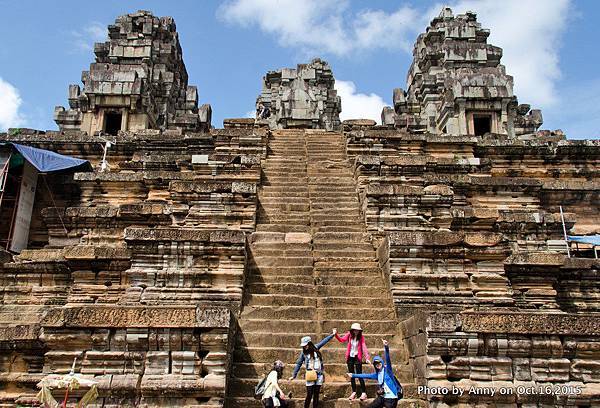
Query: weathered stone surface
{"type": "Point", "coordinates": [133, 316]}
{"type": "Point", "coordinates": [301, 97]}
{"type": "Point", "coordinates": [138, 80]}
{"type": "Point", "coordinates": [179, 272]}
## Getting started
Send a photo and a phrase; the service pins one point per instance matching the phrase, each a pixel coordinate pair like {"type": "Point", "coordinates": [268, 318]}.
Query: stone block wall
{"type": "Point", "coordinates": [139, 273]}
{"type": "Point", "coordinates": [471, 235]}
{"type": "Point", "coordinates": [505, 358]}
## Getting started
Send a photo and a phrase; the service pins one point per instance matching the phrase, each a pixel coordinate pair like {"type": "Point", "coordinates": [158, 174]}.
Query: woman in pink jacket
{"type": "Point", "coordinates": [356, 351]}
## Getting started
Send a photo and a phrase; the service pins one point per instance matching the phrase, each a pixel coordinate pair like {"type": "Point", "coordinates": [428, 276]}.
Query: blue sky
{"type": "Point", "coordinates": [550, 46]}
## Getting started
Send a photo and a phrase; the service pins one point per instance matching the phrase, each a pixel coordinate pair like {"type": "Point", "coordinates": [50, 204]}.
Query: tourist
{"type": "Point", "coordinates": [356, 350]}
{"type": "Point", "coordinates": [263, 111]}
{"type": "Point", "coordinates": [312, 359]}
{"type": "Point", "coordinates": [389, 390]}
{"type": "Point", "coordinates": [273, 396]}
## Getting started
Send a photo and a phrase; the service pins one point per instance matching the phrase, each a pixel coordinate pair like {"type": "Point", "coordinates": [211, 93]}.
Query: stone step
{"type": "Point", "coordinates": [343, 246]}
{"type": "Point", "coordinates": [338, 228]}
{"type": "Point", "coordinates": [337, 197]}
{"type": "Point", "coordinates": [335, 371]}
{"type": "Point", "coordinates": [284, 272]}
{"type": "Point", "coordinates": [278, 189]}
{"type": "Point", "coordinates": [291, 340]}
{"type": "Point", "coordinates": [342, 266]}
{"type": "Point", "coordinates": [268, 179]}
{"type": "Point", "coordinates": [325, 187]}
{"type": "Point", "coordinates": [286, 149]}
{"type": "Point", "coordinates": [286, 159]}
{"type": "Point", "coordinates": [300, 312]}
{"type": "Point", "coordinates": [312, 290]}
{"type": "Point", "coordinates": [331, 390]}
{"type": "Point", "coordinates": [278, 261]}
{"type": "Point", "coordinates": [276, 240]}
{"type": "Point", "coordinates": [296, 300]}
{"type": "Point", "coordinates": [263, 219]}
{"type": "Point", "coordinates": [307, 326]}
{"type": "Point", "coordinates": [285, 228]}
{"type": "Point", "coordinates": [326, 279]}
{"type": "Point", "coordinates": [333, 355]}
{"type": "Point", "coordinates": [336, 201]}
{"type": "Point", "coordinates": [250, 402]}
{"type": "Point", "coordinates": [262, 326]}
{"type": "Point", "coordinates": [337, 225]}
{"type": "Point", "coordinates": [280, 270]}
{"type": "Point", "coordinates": [278, 162]}
{"type": "Point", "coordinates": [345, 206]}
{"type": "Point", "coordinates": [290, 251]}
{"type": "Point", "coordinates": [304, 279]}
{"type": "Point", "coordinates": [273, 216]}
{"type": "Point", "coordinates": [355, 291]}
{"type": "Point", "coordinates": [273, 197]}
{"type": "Point", "coordinates": [294, 210]}
{"type": "Point", "coordinates": [280, 195]}
{"type": "Point", "coordinates": [344, 255]}
{"type": "Point", "coordinates": [335, 212]}
{"type": "Point", "coordinates": [341, 237]}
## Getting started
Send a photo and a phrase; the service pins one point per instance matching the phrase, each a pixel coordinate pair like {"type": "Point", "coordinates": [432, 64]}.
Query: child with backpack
{"type": "Point", "coordinates": [312, 359]}
{"type": "Point", "coordinates": [390, 390]}
{"type": "Point", "coordinates": [268, 389]}
{"type": "Point", "coordinates": [356, 353]}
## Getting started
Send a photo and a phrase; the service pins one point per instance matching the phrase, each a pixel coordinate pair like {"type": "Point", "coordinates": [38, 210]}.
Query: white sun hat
{"type": "Point", "coordinates": [356, 326]}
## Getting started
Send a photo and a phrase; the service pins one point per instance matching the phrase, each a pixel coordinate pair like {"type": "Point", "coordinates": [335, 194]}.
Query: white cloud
{"type": "Point", "coordinates": [358, 105]}
{"type": "Point", "coordinates": [85, 38]}
{"type": "Point", "coordinates": [392, 31]}
{"type": "Point", "coordinates": [10, 102]}
{"type": "Point", "coordinates": [322, 25]}
{"type": "Point", "coordinates": [528, 31]}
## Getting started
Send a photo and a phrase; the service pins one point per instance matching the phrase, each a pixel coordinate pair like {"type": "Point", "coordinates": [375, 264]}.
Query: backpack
{"type": "Point", "coordinates": [400, 389]}
{"type": "Point", "coordinates": [260, 388]}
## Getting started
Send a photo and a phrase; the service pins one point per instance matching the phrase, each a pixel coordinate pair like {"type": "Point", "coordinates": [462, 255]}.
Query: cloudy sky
{"type": "Point", "coordinates": [550, 47]}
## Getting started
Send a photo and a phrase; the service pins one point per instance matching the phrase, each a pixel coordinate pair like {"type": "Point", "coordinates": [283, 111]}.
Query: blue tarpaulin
{"type": "Point", "coordinates": [47, 161]}
{"type": "Point", "coordinates": [586, 239]}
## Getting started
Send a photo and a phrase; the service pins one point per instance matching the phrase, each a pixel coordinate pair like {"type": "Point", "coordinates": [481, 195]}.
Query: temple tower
{"type": "Point", "coordinates": [301, 98]}
{"type": "Point", "coordinates": [457, 86]}
{"type": "Point", "coordinates": [138, 81]}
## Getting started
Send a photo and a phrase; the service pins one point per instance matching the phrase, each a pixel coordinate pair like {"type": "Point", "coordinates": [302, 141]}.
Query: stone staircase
{"type": "Point", "coordinates": [313, 267]}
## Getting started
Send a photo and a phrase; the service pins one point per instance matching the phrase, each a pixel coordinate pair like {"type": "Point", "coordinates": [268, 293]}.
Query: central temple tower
{"type": "Point", "coordinates": [301, 98]}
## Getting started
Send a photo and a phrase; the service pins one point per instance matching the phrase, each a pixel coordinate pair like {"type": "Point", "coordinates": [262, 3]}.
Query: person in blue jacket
{"type": "Point", "coordinates": [389, 387]}
{"type": "Point", "coordinates": [312, 359]}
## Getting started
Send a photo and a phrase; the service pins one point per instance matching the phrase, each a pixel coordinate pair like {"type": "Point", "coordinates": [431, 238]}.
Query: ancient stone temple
{"type": "Point", "coordinates": [304, 97]}
{"type": "Point", "coordinates": [175, 262]}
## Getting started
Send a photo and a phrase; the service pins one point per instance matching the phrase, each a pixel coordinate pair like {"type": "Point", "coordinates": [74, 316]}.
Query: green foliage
{"type": "Point", "coordinates": [14, 131]}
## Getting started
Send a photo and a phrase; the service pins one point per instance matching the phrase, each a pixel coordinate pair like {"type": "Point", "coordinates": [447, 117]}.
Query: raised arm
{"type": "Point", "coordinates": [388, 359]}
{"type": "Point", "coordinates": [324, 341]}
{"type": "Point", "coordinates": [370, 376]}
{"type": "Point", "coordinates": [344, 338]}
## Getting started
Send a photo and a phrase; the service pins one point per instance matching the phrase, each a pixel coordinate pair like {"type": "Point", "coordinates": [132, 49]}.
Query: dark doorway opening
{"type": "Point", "coordinates": [112, 122]}
{"type": "Point", "coordinates": [482, 124]}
